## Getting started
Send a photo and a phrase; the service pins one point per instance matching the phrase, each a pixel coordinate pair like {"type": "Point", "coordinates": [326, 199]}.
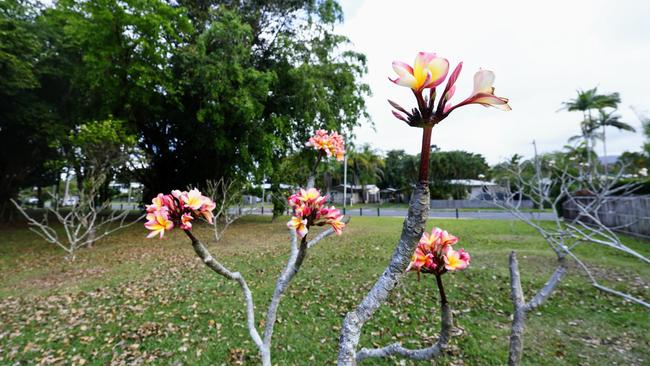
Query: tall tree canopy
{"type": "Point", "coordinates": [211, 89]}
{"type": "Point", "coordinates": [26, 122]}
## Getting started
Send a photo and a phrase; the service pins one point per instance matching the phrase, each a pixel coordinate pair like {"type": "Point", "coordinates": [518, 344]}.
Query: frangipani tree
{"type": "Point", "coordinates": [416, 251]}
{"type": "Point", "coordinates": [181, 209]}
{"type": "Point", "coordinates": [588, 198]}
{"type": "Point", "coordinates": [433, 253]}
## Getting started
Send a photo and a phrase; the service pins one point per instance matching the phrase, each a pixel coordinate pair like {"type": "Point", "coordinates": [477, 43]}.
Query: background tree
{"type": "Point", "coordinates": [610, 119]}
{"type": "Point", "coordinates": [26, 122]}
{"type": "Point", "coordinates": [586, 102]}
{"type": "Point", "coordinates": [400, 172]}
{"type": "Point", "coordinates": [454, 165]}
{"type": "Point", "coordinates": [366, 166]}
{"type": "Point", "coordinates": [239, 84]}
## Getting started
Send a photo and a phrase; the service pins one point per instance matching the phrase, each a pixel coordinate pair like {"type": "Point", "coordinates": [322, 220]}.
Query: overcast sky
{"type": "Point", "coordinates": [541, 52]}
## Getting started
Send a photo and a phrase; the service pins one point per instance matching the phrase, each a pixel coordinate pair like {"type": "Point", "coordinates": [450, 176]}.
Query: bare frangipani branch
{"type": "Point", "coordinates": [83, 225]}
{"type": "Point", "coordinates": [325, 233]}
{"type": "Point", "coordinates": [220, 269]}
{"type": "Point", "coordinates": [563, 237]}
{"type": "Point", "coordinates": [545, 291]}
{"type": "Point", "coordinates": [521, 307]}
{"type": "Point", "coordinates": [428, 353]}
{"type": "Point", "coordinates": [225, 193]}
{"type": "Point", "coordinates": [411, 232]}
{"type": "Point", "coordinates": [286, 276]}
{"type": "Point", "coordinates": [519, 314]}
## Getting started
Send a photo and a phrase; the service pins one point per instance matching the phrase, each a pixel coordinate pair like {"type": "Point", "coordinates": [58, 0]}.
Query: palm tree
{"type": "Point", "coordinates": [366, 167]}
{"type": "Point", "coordinates": [586, 102]}
{"type": "Point", "coordinates": [609, 119]}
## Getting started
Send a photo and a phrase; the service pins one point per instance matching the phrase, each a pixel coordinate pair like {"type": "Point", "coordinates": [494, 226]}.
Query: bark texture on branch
{"type": "Point", "coordinates": [415, 354]}
{"type": "Point", "coordinates": [519, 314]}
{"type": "Point", "coordinates": [446, 323]}
{"type": "Point", "coordinates": [411, 233]}
{"type": "Point", "coordinates": [521, 307]}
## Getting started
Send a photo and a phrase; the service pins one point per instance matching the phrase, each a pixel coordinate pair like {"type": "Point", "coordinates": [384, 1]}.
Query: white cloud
{"type": "Point", "coordinates": [541, 53]}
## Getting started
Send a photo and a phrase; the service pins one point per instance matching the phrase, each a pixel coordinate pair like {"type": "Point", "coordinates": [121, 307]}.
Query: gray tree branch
{"type": "Point", "coordinates": [411, 233]}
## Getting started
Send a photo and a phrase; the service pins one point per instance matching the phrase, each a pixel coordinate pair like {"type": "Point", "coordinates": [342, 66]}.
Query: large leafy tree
{"type": "Point", "coordinates": [447, 165]}
{"type": "Point", "coordinates": [254, 82]}
{"type": "Point", "coordinates": [211, 89]}
{"type": "Point", "coordinates": [450, 165]}
{"type": "Point", "coordinates": [26, 122]}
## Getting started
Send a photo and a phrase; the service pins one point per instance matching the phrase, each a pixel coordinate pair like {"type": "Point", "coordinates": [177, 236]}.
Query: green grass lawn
{"type": "Point", "coordinates": [130, 300]}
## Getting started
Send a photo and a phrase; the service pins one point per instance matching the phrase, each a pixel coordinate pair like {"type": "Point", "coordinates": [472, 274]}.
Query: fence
{"type": "Point", "coordinates": [629, 215]}
{"type": "Point", "coordinates": [442, 204]}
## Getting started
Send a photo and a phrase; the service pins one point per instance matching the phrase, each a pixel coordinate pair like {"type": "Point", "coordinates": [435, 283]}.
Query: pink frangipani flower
{"type": "Point", "coordinates": [332, 144]}
{"type": "Point", "coordinates": [434, 254]}
{"type": "Point", "coordinates": [309, 209]}
{"type": "Point", "coordinates": [430, 71]}
{"type": "Point", "coordinates": [177, 209]}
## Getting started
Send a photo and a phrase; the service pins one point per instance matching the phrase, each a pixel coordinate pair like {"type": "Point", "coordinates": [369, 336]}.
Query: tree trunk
{"type": "Point", "coordinates": [39, 196]}
{"type": "Point", "coordinates": [605, 150]}
{"type": "Point", "coordinates": [412, 230]}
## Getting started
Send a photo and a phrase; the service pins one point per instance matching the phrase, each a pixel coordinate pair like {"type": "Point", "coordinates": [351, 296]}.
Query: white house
{"type": "Point", "coordinates": [354, 194]}
{"type": "Point", "coordinates": [476, 187]}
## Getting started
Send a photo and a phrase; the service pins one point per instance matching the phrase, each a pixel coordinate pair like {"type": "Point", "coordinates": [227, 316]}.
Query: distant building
{"type": "Point", "coordinates": [391, 195]}
{"type": "Point", "coordinates": [476, 188]}
{"type": "Point", "coordinates": [355, 193]}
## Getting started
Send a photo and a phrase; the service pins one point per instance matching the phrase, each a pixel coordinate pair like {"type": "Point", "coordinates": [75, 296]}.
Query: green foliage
{"type": "Point", "coordinates": [95, 149]}
{"type": "Point", "coordinates": [633, 161]}
{"type": "Point", "coordinates": [366, 165]}
{"type": "Point", "coordinates": [18, 48]}
{"type": "Point", "coordinates": [447, 165]}
{"type": "Point", "coordinates": [27, 124]}
{"type": "Point", "coordinates": [645, 123]}
{"type": "Point", "coordinates": [279, 199]}
{"type": "Point", "coordinates": [400, 170]}
{"type": "Point", "coordinates": [210, 89]}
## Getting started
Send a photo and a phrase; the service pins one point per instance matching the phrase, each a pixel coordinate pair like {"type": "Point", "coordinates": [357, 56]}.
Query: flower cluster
{"type": "Point", "coordinates": [434, 254]}
{"type": "Point", "coordinates": [309, 209]}
{"type": "Point", "coordinates": [428, 72]}
{"type": "Point", "coordinates": [331, 143]}
{"type": "Point", "coordinates": [177, 209]}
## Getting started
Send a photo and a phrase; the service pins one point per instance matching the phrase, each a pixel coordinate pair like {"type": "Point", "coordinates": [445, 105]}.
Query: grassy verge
{"type": "Point", "coordinates": [134, 300]}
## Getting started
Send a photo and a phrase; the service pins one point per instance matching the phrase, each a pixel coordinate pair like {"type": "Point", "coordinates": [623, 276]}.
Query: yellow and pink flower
{"type": "Point", "coordinates": [179, 208]}
{"type": "Point", "coordinates": [332, 144]}
{"type": "Point", "coordinates": [456, 260]}
{"type": "Point", "coordinates": [186, 221]}
{"type": "Point", "coordinates": [482, 94]}
{"type": "Point", "coordinates": [309, 209]}
{"type": "Point", "coordinates": [158, 223]}
{"type": "Point", "coordinates": [298, 224]}
{"type": "Point", "coordinates": [430, 71]}
{"type": "Point", "coordinates": [434, 254]}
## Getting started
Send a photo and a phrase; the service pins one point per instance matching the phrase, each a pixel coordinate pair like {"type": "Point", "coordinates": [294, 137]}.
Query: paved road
{"type": "Point", "coordinates": [450, 214]}
{"type": "Point", "coordinates": [478, 214]}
